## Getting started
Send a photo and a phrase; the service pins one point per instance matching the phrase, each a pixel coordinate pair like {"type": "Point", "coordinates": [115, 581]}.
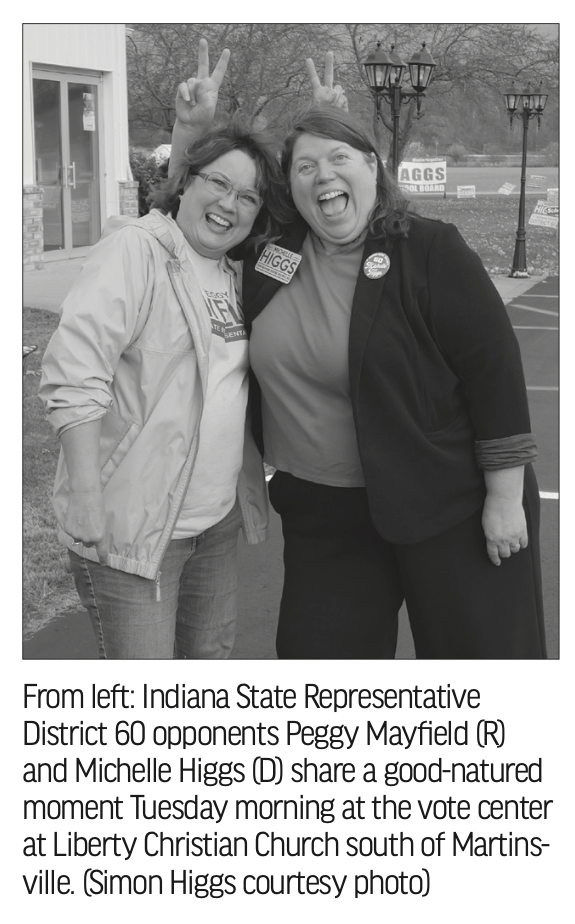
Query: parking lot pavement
{"type": "Point", "coordinates": [535, 318]}
{"type": "Point", "coordinates": [534, 312]}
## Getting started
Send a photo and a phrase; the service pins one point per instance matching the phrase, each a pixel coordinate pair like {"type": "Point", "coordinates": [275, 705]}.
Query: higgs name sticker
{"type": "Point", "coordinates": [278, 263]}
{"type": "Point", "coordinates": [376, 266]}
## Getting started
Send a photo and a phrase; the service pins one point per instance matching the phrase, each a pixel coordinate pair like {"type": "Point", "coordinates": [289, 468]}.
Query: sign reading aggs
{"type": "Point", "coordinates": [423, 176]}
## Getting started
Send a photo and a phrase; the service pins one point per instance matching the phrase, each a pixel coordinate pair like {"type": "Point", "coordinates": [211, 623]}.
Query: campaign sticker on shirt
{"type": "Point", "coordinates": [376, 266]}
{"type": "Point", "coordinates": [278, 263]}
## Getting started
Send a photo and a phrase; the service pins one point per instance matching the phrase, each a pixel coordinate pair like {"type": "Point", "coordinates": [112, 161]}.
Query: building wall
{"type": "Point", "coordinates": [33, 233]}
{"type": "Point", "coordinates": [97, 47]}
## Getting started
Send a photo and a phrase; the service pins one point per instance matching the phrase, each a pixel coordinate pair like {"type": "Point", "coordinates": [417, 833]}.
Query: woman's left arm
{"type": "Point", "coordinates": [476, 335]}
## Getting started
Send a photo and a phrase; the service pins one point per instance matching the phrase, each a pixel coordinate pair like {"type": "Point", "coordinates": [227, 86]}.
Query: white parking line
{"type": "Point", "coordinates": [548, 495]}
{"type": "Point", "coordinates": [542, 388]}
{"type": "Point", "coordinates": [537, 310]}
{"type": "Point", "coordinates": [537, 327]}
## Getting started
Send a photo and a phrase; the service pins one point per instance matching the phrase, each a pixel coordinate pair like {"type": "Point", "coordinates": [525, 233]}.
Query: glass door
{"type": "Point", "coordinates": [49, 159]}
{"type": "Point", "coordinates": [67, 165]}
{"type": "Point", "coordinates": [83, 180]}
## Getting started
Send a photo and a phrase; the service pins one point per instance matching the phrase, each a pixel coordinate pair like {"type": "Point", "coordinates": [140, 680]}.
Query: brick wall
{"type": "Point", "coordinates": [129, 198]}
{"type": "Point", "coordinates": [33, 250]}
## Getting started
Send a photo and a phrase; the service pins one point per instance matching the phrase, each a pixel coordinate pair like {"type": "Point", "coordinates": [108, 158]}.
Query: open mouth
{"type": "Point", "coordinates": [334, 203]}
{"type": "Point", "coordinates": [217, 223]}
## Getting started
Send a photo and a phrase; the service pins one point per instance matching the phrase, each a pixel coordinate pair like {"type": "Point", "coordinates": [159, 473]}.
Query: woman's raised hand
{"type": "Point", "coordinates": [326, 92]}
{"type": "Point", "coordinates": [197, 97]}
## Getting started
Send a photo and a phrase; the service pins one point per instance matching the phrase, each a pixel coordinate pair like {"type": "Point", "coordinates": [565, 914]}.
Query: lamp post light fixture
{"type": "Point", "coordinates": [523, 104]}
{"type": "Point", "coordinates": [385, 72]}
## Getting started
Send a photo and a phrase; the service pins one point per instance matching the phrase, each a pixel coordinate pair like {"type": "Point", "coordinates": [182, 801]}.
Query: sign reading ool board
{"type": "Point", "coordinates": [466, 192]}
{"type": "Point", "coordinates": [423, 176]}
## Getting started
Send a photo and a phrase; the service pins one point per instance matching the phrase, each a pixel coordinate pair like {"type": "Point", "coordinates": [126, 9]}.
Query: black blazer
{"type": "Point", "coordinates": [434, 366]}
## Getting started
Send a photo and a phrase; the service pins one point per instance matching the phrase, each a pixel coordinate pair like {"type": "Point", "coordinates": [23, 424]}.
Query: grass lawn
{"type": "Point", "coordinates": [490, 179]}
{"type": "Point", "coordinates": [488, 224]}
{"type": "Point", "coordinates": [48, 588]}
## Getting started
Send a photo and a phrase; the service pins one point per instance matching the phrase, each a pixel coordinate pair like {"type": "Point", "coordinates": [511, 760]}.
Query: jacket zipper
{"type": "Point", "coordinates": [174, 274]}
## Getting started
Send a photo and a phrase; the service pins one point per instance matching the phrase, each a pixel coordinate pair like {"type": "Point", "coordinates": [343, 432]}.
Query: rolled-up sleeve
{"type": "Point", "coordinates": [507, 452]}
{"type": "Point", "coordinates": [99, 318]}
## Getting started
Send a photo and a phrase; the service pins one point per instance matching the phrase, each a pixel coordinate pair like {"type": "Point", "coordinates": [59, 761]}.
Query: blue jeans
{"type": "Point", "coordinates": [196, 614]}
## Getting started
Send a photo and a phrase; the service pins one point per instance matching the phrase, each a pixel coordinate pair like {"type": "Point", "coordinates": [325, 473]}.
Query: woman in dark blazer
{"type": "Point", "coordinates": [388, 394]}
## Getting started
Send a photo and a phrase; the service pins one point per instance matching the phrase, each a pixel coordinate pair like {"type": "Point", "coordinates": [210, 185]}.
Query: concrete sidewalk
{"type": "Point", "coordinates": [48, 288]}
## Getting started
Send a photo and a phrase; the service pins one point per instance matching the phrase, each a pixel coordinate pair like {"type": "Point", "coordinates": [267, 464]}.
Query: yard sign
{"type": "Point", "coordinates": [423, 176]}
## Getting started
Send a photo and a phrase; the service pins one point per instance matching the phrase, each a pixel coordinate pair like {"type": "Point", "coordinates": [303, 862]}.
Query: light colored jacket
{"type": "Point", "coordinates": [132, 348]}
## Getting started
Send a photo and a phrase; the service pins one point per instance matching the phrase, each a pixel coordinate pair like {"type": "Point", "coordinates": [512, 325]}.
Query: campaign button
{"type": "Point", "coordinates": [376, 265]}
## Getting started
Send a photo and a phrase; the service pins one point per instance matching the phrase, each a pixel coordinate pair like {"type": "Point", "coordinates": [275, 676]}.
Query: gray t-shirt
{"type": "Point", "coordinates": [299, 353]}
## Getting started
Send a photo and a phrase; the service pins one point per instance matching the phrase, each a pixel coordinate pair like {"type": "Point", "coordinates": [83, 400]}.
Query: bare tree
{"type": "Point", "coordinates": [475, 62]}
{"type": "Point", "coordinates": [266, 75]}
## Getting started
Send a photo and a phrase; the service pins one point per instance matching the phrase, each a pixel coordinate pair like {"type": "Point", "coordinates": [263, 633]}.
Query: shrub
{"type": "Point", "coordinates": [551, 153]}
{"type": "Point", "coordinates": [494, 155]}
{"type": "Point", "coordinates": [414, 149]}
{"type": "Point", "coordinates": [457, 153]}
{"type": "Point", "coordinates": [146, 171]}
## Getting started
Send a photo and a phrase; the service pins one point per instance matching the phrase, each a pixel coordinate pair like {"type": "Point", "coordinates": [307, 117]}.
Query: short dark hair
{"type": "Point", "coordinates": [390, 216]}
{"type": "Point", "coordinates": [270, 183]}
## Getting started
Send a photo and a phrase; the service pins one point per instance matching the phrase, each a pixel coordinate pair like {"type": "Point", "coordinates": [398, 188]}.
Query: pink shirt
{"type": "Point", "coordinates": [299, 353]}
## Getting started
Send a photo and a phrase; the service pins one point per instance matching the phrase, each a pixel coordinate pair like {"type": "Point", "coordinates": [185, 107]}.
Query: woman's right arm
{"type": "Point", "coordinates": [101, 315]}
{"type": "Point", "coordinates": [85, 518]}
{"type": "Point", "coordinates": [196, 102]}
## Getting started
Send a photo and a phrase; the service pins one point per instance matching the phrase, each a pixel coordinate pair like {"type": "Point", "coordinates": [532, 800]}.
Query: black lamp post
{"type": "Point", "coordinates": [384, 75]}
{"type": "Point", "coordinates": [525, 105]}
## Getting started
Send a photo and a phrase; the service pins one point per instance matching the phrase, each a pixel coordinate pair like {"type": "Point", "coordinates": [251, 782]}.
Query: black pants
{"type": "Point", "coordinates": [344, 584]}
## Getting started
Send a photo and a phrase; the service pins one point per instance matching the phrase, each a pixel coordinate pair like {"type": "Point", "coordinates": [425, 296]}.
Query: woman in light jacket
{"type": "Point", "coordinates": [145, 382]}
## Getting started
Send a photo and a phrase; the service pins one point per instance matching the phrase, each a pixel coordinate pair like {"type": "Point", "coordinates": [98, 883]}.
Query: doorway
{"type": "Point", "coordinates": [66, 142]}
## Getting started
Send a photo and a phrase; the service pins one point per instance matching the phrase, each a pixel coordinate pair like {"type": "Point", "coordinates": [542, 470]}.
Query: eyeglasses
{"type": "Point", "coordinates": [248, 200]}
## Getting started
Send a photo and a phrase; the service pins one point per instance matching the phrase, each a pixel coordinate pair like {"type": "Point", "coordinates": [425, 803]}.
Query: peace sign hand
{"type": "Point", "coordinates": [326, 92]}
{"type": "Point", "coordinates": [197, 97]}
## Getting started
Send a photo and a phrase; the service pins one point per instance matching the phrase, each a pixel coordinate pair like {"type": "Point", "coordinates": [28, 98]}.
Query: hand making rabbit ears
{"type": "Point", "coordinates": [326, 92]}
{"type": "Point", "coordinates": [197, 97]}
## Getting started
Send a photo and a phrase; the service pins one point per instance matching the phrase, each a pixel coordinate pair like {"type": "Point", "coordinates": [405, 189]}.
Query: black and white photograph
{"type": "Point", "coordinates": [290, 359]}
{"type": "Point", "coordinates": [291, 374]}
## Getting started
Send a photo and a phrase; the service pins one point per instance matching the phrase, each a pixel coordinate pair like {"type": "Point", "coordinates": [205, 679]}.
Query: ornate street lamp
{"type": "Point", "coordinates": [523, 104]}
{"type": "Point", "coordinates": [384, 75]}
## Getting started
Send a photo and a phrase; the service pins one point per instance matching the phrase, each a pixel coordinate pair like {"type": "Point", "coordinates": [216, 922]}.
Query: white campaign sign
{"type": "Point", "coordinates": [424, 176]}
{"type": "Point", "coordinates": [541, 216]}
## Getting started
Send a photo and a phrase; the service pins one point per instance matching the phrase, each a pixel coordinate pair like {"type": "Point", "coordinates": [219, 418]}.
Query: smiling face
{"type": "Point", "coordinates": [214, 223]}
{"type": "Point", "coordinates": [333, 187]}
